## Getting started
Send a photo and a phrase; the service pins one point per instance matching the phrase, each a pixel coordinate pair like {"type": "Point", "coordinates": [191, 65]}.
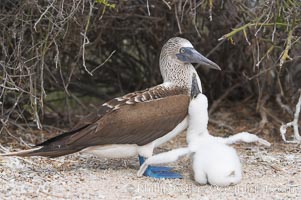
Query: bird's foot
{"type": "Point", "coordinates": [158, 171]}
{"type": "Point", "coordinates": [160, 168]}
{"type": "Point", "coordinates": [161, 172]}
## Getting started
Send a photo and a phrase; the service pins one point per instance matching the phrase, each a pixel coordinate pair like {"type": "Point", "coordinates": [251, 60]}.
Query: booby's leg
{"type": "Point", "coordinates": [154, 168]}
{"type": "Point", "coordinates": [157, 171]}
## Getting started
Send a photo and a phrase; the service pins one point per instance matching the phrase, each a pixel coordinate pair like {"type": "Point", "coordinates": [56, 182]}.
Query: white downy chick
{"type": "Point", "coordinates": [213, 161]}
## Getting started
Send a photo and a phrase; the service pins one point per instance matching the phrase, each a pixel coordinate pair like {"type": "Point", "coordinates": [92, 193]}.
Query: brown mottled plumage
{"type": "Point", "coordinates": [138, 118]}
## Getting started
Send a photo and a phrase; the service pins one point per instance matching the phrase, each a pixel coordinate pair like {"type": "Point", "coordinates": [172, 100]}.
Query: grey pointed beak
{"type": "Point", "coordinates": [190, 55]}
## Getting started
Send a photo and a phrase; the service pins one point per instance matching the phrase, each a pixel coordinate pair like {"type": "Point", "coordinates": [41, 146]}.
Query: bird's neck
{"type": "Point", "coordinates": [198, 118]}
{"type": "Point", "coordinates": [178, 74]}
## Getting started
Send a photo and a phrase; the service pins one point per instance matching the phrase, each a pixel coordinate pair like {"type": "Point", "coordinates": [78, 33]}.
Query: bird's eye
{"type": "Point", "coordinates": [182, 50]}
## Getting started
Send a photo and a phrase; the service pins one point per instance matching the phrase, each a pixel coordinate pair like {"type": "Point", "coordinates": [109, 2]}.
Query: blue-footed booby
{"type": "Point", "coordinates": [214, 161]}
{"type": "Point", "coordinates": [137, 122]}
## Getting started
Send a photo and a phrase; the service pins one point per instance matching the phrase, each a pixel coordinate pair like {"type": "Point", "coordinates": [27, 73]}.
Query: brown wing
{"type": "Point", "coordinates": [135, 98]}
{"type": "Point", "coordinates": [136, 118]}
{"type": "Point", "coordinates": [140, 123]}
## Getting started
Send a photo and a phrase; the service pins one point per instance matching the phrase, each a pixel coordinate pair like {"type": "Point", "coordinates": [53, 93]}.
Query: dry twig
{"type": "Point", "coordinates": [294, 124]}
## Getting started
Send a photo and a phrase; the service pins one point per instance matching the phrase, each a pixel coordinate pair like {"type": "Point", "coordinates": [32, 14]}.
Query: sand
{"type": "Point", "coordinates": [268, 173]}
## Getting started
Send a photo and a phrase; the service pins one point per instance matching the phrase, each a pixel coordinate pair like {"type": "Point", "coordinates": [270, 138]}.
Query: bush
{"type": "Point", "coordinates": [59, 58]}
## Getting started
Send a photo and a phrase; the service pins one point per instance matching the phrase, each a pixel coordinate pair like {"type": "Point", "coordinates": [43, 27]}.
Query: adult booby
{"type": "Point", "coordinates": [138, 122]}
{"type": "Point", "coordinates": [213, 160]}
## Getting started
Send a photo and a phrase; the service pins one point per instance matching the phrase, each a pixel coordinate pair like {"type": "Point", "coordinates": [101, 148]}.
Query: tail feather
{"type": "Point", "coordinates": [22, 153]}
{"type": "Point", "coordinates": [51, 148]}
{"type": "Point", "coordinates": [41, 151]}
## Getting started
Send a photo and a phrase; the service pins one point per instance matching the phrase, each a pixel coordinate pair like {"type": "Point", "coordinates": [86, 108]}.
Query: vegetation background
{"type": "Point", "coordinates": [59, 59]}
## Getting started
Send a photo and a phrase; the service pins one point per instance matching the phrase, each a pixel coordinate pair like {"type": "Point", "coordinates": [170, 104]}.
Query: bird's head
{"type": "Point", "coordinates": [181, 51]}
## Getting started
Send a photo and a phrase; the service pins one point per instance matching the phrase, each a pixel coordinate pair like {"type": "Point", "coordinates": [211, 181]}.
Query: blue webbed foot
{"type": "Point", "coordinates": [161, 172]}
{"type": "Point", "coordinates": [158, 171]}
{"type": "Point", "coordinates": [160, 168]}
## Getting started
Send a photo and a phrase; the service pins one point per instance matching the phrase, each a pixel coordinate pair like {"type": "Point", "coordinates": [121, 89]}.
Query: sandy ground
{"type": "Point", "coordinates": [268, 173]}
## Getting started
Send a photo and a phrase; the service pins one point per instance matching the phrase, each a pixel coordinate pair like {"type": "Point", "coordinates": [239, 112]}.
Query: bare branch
{"type": "Point", "coordinates": [177, 18]}
{"type": "Point", "coordinates": [282, 105]}
{"type": "Point", "coordinates": [86, 39]}
{"type": "Point", "coordinates": [42, 15]}
{"type": "Point", "coordinates": [147, 6]}
{"type": "Point", "coordinates": [106, 60]}
{"type": "Point", "coordinates": [294, 124]}
{"type": "Point", "coordinates": [169, 7]}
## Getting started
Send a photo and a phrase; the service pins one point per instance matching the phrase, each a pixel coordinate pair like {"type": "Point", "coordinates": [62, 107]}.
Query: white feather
{"type": "Point", "coordinates": [215, 162]}
{"type": "Point", "coordinates": [113, 151]}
